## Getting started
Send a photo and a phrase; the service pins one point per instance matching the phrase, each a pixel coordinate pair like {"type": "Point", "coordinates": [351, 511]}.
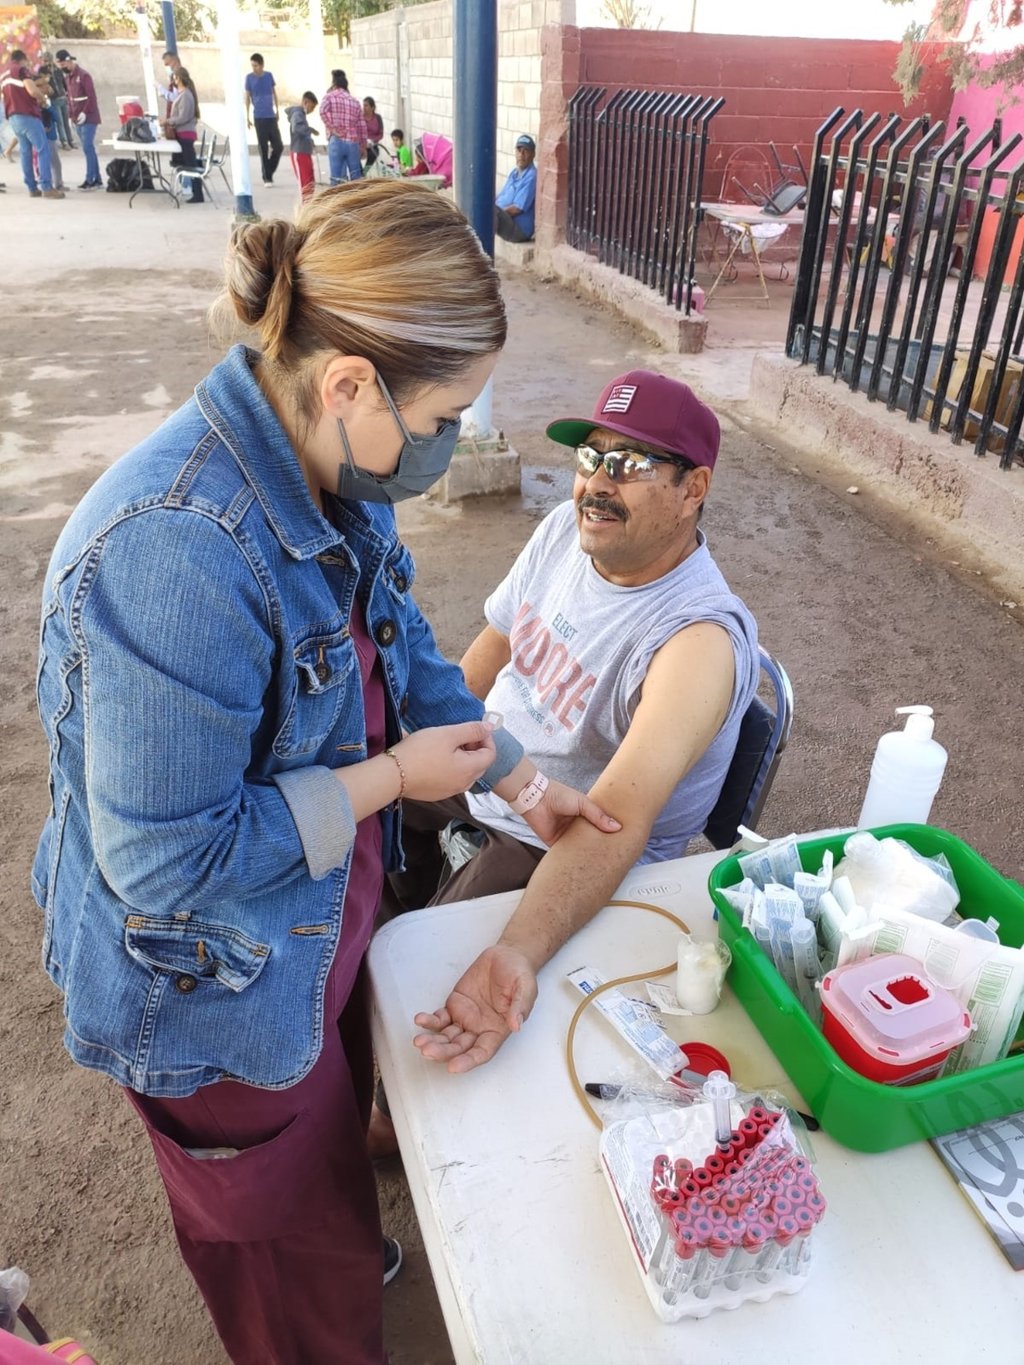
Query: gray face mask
{"type": "Point", "coordinates": [422, 461]}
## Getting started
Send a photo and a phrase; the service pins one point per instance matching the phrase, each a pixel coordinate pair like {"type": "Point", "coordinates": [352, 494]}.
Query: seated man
{"type": "Point", "coordinates": [620, 659]}
{"type": "Point", "coordinates": [513, 208]}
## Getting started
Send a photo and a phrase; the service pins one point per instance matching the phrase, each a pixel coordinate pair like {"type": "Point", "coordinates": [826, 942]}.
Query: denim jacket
{"type": "Point", "coordinates": [197, 683]}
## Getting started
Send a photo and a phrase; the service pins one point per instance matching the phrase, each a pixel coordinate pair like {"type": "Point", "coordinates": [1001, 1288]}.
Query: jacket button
{"type": "Point", "coordinates": [401, 582]}
{"type": "Point", "coordinates": [386, 633]}
{"type": "Point", "coordinates": [322, 672]}
{"type": "Point", "coordinates": [185, 983]}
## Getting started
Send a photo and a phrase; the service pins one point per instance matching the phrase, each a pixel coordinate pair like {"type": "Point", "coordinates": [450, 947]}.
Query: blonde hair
{"type": "Point", "coordinates": [376, 268]}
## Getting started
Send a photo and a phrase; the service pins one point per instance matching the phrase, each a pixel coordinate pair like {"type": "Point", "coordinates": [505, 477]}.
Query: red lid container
{"type": "Point", "coordinates": [890, 1022]}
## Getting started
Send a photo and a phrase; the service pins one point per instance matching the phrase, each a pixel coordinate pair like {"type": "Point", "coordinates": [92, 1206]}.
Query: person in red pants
{"type": "Point", "coordinates": [302, 143]}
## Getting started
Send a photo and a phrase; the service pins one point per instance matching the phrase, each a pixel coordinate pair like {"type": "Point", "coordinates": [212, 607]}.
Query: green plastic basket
{"type": "Point", "coordinates": [863, 1114]}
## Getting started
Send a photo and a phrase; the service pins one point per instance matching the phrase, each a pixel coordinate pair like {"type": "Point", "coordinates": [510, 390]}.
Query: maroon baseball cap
{"type": "Point", "coordinates": [651, 408]}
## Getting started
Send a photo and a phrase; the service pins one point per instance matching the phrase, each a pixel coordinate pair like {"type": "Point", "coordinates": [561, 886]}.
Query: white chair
{"type": "Point", "coordinates": [213, 161]}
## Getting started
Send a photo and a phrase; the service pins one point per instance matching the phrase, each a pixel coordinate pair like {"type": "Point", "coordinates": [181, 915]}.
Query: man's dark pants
{"type": "Point", "coordinates": [503, 864]}
{"type": "Point", "coordinates": [268, 136]}
{"type": "Point", "coordinates": [508, 227]}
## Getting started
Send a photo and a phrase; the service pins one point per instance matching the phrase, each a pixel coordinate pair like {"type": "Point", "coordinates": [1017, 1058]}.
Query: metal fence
{"type": "Point", "coordinates": [636, 161]}
{"type": "Point", "coordinates": [885, 295]}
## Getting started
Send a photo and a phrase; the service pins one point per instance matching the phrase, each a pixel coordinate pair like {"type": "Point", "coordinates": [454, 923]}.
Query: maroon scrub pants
{"type": "Point", "coordinates": [284, 1239]}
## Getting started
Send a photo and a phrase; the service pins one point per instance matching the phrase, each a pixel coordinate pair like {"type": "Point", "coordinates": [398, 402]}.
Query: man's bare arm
{"type": "Point", "coordinates": [484, 660]}
{"type": "Point", "coordinates": [686, 697]}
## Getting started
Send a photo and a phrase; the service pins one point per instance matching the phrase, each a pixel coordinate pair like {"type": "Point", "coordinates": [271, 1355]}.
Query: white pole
{"type": "Point", "coordinates": [142, 24]}
{"type": "Point", "coordinates": [316, 34]}
{"type": "Point", "coordinates": [234, 109]}
{"type": "Point", "coordinates": [476, 421]}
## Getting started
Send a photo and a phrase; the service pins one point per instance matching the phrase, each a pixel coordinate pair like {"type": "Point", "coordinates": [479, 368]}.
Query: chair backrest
{"type": "Point", "coordinates": [764, 733]}
{"type": "Point", "coordinates": [218, 158]}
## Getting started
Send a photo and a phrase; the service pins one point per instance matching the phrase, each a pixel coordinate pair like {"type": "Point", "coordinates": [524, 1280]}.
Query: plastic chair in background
{"type": "Point", "coordinates": [764, 734]}
{"type": "Point", "coordinates": [208, 164]}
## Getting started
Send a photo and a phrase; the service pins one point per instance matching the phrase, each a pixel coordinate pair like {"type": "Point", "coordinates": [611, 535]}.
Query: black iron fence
{"type": "Point", "coordinates": [636, 161]}
{"type": "Point", "coordinates": [886, 295]}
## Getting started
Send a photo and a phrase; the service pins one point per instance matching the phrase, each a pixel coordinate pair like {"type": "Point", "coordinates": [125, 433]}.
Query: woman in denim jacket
{"type": "Point", "coordinates": [238, 689]}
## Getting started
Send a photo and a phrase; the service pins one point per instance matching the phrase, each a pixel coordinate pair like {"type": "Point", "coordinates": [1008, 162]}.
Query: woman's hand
{"type": "Point", "coordinates": [446, 759]}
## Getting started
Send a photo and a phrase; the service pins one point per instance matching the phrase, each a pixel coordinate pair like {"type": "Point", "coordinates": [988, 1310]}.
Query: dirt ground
{"type": "Point", "coordinates": [865, 610]}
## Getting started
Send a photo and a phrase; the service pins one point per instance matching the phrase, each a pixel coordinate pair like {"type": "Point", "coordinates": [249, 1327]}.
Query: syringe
{"type": "Point", "coordinates": [720, 1090]}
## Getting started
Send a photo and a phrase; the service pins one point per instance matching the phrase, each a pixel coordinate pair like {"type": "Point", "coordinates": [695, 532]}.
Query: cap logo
{"type": "Point", "coordinates": [620, 398]}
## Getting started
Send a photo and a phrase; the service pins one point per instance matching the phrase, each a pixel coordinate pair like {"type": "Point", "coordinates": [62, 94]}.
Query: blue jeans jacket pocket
{"type": "Point", "coordinates": [324, 682]}
{"type": "Point", "coordinates": [195, 951]}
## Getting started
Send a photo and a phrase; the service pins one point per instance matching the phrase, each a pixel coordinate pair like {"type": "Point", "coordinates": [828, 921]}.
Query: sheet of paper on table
{"type": "Point", "coordinates": [988, 1164]}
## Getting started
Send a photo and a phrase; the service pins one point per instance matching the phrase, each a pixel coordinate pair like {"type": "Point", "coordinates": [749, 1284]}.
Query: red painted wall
{"type": "Point", "coordinates": [776, 89]}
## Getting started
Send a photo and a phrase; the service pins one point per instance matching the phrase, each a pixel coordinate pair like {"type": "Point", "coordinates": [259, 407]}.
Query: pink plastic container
{"type": "Point", "coordinates": [888, 1021]}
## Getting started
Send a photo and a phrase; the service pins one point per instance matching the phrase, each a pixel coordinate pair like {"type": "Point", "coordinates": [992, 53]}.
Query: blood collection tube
{"type": "Point", "coordinates": [748, 1130]}
{"type": "Point", "coordinates": [687, 1249]}
{"type": "Point", "coordinates": [758, 1114]}
{"type": "Point", "coordinates": [745, 1256]}
{"type": "Point", "coordinates": [715, 1253]}
{"type": "Point", "coordinates": [816, 1203]}
{"type": "Point", "coordinates": [799, 1252]}
{"type": "Point", "coordinates": [715, 1163]}
{"type": "Point", "coordinates": [702, 1178]}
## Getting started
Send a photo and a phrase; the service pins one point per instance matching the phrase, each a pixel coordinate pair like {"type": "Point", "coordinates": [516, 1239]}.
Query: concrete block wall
{"type": "Point", "coordinates": [409, 52]}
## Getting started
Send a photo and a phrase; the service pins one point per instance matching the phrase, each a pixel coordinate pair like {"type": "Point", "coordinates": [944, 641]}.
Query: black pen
{"type": "Point", "coordinates": [602, 1090]}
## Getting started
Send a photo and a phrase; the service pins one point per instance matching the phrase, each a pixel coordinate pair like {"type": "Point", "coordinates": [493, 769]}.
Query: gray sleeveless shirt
{"type": "Point", "coordinates": [580, 651]}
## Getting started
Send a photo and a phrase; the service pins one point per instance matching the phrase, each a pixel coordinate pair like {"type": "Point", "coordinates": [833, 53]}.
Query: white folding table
{"type": "Point", "coordinates": [530, 1262]}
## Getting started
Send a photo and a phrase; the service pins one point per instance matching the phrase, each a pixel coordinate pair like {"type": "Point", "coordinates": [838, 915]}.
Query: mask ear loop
{"type": "Point", "coordinates": [346, 447]}
{"type": "Point", "coordinates": [399, 421]}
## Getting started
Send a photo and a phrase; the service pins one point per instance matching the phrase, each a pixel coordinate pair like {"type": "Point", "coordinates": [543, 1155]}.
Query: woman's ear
{"type": "Point", "coordinates": [349, 384]}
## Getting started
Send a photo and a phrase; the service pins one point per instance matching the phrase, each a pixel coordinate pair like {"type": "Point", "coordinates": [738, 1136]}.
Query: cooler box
{"type": "Point", "coordinates": [860, 1113]}
{"type": "Point", "coordinates": [888, 1021]}
{"type": "Point", "coordinates": [128, 106]}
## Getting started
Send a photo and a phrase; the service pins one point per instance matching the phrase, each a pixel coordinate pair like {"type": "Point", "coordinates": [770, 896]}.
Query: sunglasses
{"type": "Point", "coordinates": [624, 466]}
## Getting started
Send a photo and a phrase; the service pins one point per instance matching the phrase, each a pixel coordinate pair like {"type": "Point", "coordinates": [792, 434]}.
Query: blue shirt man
{"type": "Point", "coordinates": [261, 110]}
{"type": "Point", "coordinates": [513, 208]}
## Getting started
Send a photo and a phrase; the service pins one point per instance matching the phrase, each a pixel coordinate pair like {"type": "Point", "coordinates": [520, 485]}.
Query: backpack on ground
{"type": "Point", "coordinates": [123, 176]}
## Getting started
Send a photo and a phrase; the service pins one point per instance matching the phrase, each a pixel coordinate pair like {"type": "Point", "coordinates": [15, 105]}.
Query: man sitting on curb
{"type": "Point", "coordinates": [617, 654]}
{"type": "Point", "coordinates": [513, 208]}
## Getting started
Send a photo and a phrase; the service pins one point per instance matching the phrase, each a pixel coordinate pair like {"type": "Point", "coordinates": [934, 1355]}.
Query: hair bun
{"type": "Point", "coordinates": [261, 264]}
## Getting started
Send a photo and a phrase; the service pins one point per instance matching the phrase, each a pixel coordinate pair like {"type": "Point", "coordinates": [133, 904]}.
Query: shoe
{"type": "Point", "coordinates": [97, 184]}
{"type": "Point", "coordinates": [392, 1259]}
{"type": "Point", "coordinates": [87, 184]}
{"type": "Point", "coordinates": [36, 194]}
{"type": "Point", "coordinates": [53, 194]}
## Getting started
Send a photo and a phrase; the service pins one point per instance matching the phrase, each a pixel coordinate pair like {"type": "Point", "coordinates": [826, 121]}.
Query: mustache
{"type": "Point", "coordinates": [611, 509]}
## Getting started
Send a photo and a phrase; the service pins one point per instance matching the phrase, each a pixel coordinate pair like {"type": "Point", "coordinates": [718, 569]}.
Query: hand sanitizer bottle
{"type": "Point", "coordinates": [905, 774]}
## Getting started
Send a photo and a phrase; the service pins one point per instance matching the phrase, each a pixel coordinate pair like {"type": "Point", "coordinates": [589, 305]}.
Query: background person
{"type": "Point", "coordinates": [181, 124]}
{"type": "Point", "coordinates": [166, 91]}
{"type": "Point", "coordinates": [514, 206]}
{"type": "Point", "coordinates": [374, 122]}
{"type": "Point", "coordinates": [208, 910]}
{"type": "Point", "coordinates": [302, 143]}
{"type": "Point", "coordinates": [261, 110]}
{"type": "Point", "coordinates": [58, 100]}
{"type": "Point", "coordinates": [84, 111]}
{"type": "Point", "coordinates": [403, 153]}
{"type": "Point", "coordinates": [345, 126]}
{"type": "Point", "coordinates": [23, 108]}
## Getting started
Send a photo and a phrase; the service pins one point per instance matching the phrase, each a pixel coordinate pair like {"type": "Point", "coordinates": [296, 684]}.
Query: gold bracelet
{"type": "Point", "coordinates": [401, 772]}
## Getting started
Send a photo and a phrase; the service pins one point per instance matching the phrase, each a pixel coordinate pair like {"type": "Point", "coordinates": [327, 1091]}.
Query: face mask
{"type": "Point", "coordinates": [422, 461]}
{"type": "Point", "coordinates": [170, 72]}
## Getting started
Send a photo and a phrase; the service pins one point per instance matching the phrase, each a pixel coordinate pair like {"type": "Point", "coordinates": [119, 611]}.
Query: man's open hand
{"type": "Point", "coordinates": [492, 999]}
